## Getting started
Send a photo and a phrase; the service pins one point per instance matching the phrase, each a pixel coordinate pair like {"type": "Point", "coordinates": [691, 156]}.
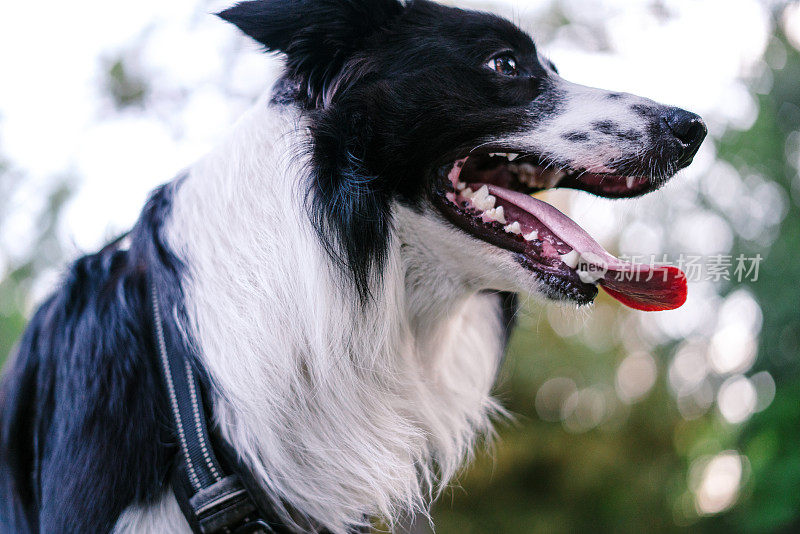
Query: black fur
{"type": "Point", "coordinates": [576, 137]}
{"type": "Point", "coordinates": [399, 80]}
{"type": "Point", "coordinates": [317, 36]}
{"type": "Point", "coordinates": [392, 92]}
{"type": "Point", "coordinates": [84, 426]}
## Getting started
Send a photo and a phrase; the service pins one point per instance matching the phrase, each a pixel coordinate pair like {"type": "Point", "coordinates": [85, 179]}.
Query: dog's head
{"type": "Point", "coordinates": [439, 123]}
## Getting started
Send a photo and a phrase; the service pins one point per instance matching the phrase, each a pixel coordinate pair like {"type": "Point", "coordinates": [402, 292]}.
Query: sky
{"type": "Point", "coordinates": [56, 120]}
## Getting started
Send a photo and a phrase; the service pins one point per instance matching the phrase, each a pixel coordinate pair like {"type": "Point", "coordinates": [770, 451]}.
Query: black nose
{"type": "Point", "coordinates": [689, 129]}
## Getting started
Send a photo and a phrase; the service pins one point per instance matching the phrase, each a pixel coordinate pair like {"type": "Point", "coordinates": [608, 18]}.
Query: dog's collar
{"type": "Point", "coordinates": [213, 497]}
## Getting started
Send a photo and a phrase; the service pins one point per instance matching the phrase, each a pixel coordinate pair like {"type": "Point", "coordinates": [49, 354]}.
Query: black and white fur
{"type": "Point", "coordinates": [351, 335]}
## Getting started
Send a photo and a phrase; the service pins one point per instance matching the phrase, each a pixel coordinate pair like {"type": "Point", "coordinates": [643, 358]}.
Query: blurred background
{"type": "Point", "coordinates": [623, 421]}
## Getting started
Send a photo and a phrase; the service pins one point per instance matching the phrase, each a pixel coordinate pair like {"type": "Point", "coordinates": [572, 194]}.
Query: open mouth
{"type": "Point", "coordinates": [489, 196]}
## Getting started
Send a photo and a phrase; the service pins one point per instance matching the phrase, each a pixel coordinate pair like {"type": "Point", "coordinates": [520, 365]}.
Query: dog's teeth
{"type": "Point", "coordinates": [588, 277]}
{"type": "Point", "coordinates": [460, 186]}
{"type": "Point", "coordinates": [629, 181]}
{"type": "Point", "coordinates": [497, 155]}
{"type": "Point", "coordinates": [531, 236]}
{"type": "Point", "coordinates": [526, 168]}
{"type": "Point", "coordinates": [496, 214]}
{"type": "Point", "coordinates": [512, 157]}
{"type": "Point", "coordinates": [483, 204]}
{"type": "Point", "coordinates": [513, 228]}
{"type": "Point", "coordinates": [482, 199]}
{"type": "Point", "coordinates": [467, 193]}
{"type": "Point", "coordinates": [571, 258]}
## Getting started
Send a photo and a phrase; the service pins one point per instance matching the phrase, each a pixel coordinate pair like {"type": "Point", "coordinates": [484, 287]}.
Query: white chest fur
{"type": "Point", "coordinates": [340, 410]}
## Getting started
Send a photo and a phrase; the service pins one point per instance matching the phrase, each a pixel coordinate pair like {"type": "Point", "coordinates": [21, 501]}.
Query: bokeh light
{"type": "Point", "coordinates": [716, 481]}
{"type": "Point", "coordinates": [614, 406]}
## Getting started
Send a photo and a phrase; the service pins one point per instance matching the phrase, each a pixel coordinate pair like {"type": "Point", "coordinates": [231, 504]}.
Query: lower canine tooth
{"type": "Point", "coordinates": [496, 214]}
{"type": "Point", "coordinates": [513, 228]}
{"type": "Point", "coordinates": [531, 236]}
{"type": "Point", "coordinates": [588, 277]}
{"type": "Point", "coordinates": [629, 181]}
{"type": "Point", "coordinates": [483, 203]}
{"type": "Point", "coordinates": [571, 258]}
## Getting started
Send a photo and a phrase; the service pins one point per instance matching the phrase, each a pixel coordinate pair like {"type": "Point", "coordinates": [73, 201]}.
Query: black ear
{"type": "Point", "coordinates": [350, 207]}
{"type": "Point", "coordinates": [317, 36]}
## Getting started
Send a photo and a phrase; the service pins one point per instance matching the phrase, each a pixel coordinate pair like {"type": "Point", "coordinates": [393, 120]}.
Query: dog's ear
{"type": "Point", "coordinates": [317, 36]}
{"type": "Point", "coordinates": [349, 206]}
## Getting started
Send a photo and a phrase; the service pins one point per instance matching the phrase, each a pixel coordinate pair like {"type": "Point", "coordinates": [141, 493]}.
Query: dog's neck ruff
{"type": "Point", "coordinates": [339, 411]}
{"type": "Point", "coordinates": [212, 497]}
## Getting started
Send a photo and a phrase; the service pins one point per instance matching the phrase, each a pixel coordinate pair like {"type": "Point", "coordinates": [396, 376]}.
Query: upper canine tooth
{"type": "Point", "coordinates": [531, 236]}
{"type": "Point", "coordinates": [460, 186]}
{"type": "Point", "coordinates": [629, 180]}
{"type": "Point", "coordinates": [512, 157]}
{"type": "Point", "coordinates": [571, 258]}
{"type": "Point", "coordinates": [513, 228]}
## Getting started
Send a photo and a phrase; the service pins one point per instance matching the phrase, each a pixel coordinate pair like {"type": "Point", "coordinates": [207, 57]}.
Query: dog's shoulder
{"type": "Point", "coordinates": [80, 434]}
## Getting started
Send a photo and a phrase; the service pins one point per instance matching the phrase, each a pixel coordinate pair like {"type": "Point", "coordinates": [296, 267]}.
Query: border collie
{"type": "Point", "coordinates": [341, 268]}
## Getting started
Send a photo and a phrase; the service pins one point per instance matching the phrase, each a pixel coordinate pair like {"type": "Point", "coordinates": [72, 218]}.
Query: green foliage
{"type": "Point", "coordinates": [771, 439]}
{"type": "Point", "coordinates": [631, 472]}
{"type": "Point", "coordinates": [43, 253]}
{"type": "Point", "coordinates": [125, 88]}
{"type": "Point", "coordinates": [633, 477]}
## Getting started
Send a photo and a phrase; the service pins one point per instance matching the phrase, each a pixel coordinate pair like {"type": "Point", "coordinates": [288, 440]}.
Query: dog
{"type": "Point", "coordinates": [341, 269]}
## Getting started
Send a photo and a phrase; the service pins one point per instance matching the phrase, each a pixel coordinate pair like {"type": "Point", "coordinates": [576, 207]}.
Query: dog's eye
{"type": "Point", "coordinates": [504, 64]}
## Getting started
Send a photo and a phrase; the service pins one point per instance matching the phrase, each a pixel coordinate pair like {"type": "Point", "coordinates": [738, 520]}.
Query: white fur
{"type": "Point", "coordinates": [579, 107]}
{"type": "Point", "coordinates": [341, 411]}
{"type": "Point", "coordinates": [164, 516]}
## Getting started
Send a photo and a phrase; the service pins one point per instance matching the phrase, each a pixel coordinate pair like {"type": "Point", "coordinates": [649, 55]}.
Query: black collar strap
{"type": "Point", "coordinates": [213, 499]}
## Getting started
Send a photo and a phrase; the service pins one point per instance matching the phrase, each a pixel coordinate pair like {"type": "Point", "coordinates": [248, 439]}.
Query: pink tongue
{"type": "Point", "coordinates": [639, 286]}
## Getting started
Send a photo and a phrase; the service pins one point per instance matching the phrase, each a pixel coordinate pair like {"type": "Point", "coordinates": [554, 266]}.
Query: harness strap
{"type": "Point", "coordinates": [212, 500]}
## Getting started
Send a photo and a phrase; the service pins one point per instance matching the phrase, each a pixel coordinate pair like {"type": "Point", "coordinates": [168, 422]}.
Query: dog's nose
{"type": "Point", "coordinates": [689, 129]}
